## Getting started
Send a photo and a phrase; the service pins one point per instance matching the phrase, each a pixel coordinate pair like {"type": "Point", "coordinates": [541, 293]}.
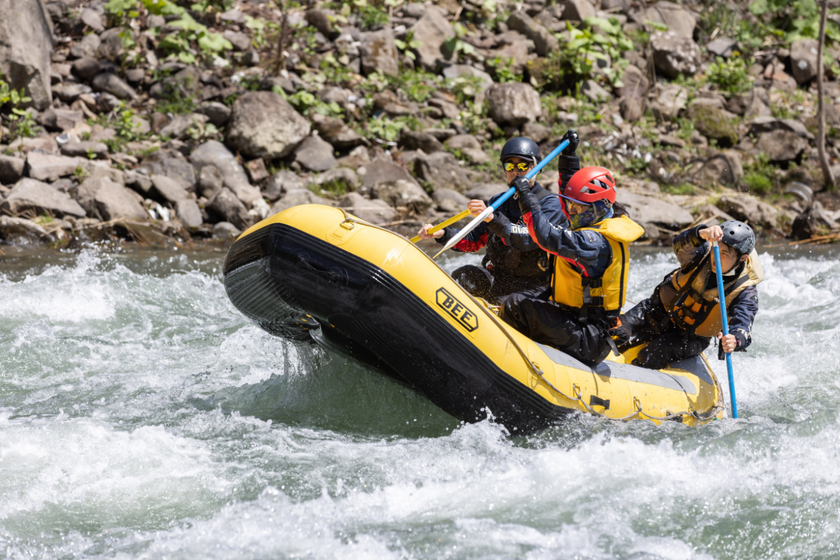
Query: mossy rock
{"type": "Point", "coordinates": [713, 123]}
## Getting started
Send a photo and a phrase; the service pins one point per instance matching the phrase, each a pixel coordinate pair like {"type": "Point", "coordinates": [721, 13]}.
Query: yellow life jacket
{"type": "Point", "coordinates": [694, 308]}
{"type": "Point", "coordinates": [572, 287]}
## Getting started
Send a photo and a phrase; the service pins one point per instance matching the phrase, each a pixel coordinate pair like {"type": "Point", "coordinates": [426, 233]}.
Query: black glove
{"type": "Point", "coordinates": [621, 334]}
{"type": "Point", "coordinates": [568, 163]}
{"type": "Point", "coordinates": [573, 139]}
{"type": "Point", "coordinates": [523, 186]}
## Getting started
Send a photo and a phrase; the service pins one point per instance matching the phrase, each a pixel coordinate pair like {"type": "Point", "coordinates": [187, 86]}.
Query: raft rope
{"type": "Point", "coordinates": [536, 369]}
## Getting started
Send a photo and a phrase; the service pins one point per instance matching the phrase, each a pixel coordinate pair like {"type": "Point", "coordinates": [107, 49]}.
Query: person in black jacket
{"type": "Point", "coordinates": [513, 261]}
{"type": "Point", "coordinates": [679, 320]}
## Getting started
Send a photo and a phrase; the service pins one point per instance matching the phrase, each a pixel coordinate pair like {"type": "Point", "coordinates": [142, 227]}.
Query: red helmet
{"type": "Point", "coordinates": [589, 185]}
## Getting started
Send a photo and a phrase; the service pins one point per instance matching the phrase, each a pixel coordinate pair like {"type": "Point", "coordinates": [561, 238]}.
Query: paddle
{"type": "Point", "coordinates": [489, 210]}
{"type": "Point", "coordinates": [725, 321]}
{"type": "Point", "coordinates": [440, 226]}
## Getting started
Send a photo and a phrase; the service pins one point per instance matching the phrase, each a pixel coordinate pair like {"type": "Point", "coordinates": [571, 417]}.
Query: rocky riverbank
{"type": "Point", "coordinates": [164, 121]}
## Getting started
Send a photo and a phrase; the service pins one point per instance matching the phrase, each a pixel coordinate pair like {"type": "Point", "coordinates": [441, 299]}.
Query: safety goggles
{"type": "Point", "coordinates": [517, 166]}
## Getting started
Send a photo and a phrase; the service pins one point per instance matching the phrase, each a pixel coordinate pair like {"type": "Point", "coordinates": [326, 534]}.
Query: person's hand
{"type": "Point", "coordinates": [523, 186]}
{"type": "Point", "coordinates": [729, 343]}
{"type": "Point", "coordinates": [621, 335]}
{"type": "Point", "coordinates": [476, 207]}
{"type": "Point", "coordinates": [713, 233]}
{"type": "Point", "coordinates": [424, 232]}
{"type": "Point", "coordinates": [573, 139]}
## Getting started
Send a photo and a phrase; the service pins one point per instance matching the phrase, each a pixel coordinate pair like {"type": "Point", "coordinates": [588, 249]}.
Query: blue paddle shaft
{"type": "Point", "coordinates": [725, 321]}
{"type": "Point", "coordinates": [533, 173]}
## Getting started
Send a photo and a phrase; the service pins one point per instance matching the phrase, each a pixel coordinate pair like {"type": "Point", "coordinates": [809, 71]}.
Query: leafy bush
{"type": "Point", "coordinates": [794, 20]}
{"type": "Point", "coordinates": [180, 42]}
{"type": "Point", "coordinates": [416, 85]}
{"type": "Point", "coordinates": [20, 120]}
{"type": "Point", "coordinates": [730, 75]}
{"type": "Point", "coordinates": [574, 61]}
{"type": "Point", "coordinates": [502, 71]}
{"type": "Point", "coordinates": [760, 175]}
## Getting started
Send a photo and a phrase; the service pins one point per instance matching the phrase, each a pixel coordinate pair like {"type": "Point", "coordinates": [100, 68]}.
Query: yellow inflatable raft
{"type": "Point", "coordinates": [315, 272]}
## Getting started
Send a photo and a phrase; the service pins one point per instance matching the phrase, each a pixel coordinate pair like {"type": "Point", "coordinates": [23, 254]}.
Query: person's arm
{"type": "Point", "coordinates": [588, 249]}
{"type": "Point", "coordinates": [690, 247]}
{"type": "Point", "coordinates": [516, 234]}
{"type": "Point", "coordinates": [474, 240]}
{"type": "Point", "coordinates": [741, 314]}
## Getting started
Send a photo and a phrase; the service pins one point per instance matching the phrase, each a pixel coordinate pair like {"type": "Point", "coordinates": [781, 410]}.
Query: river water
{"type": "Point", "coordinates": [142, 416]}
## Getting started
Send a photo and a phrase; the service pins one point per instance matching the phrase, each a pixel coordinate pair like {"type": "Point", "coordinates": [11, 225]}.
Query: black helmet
{"type": "Point", "coordinates": [524, 148]}
{"type": "Point", "coordinates": [738, 235]}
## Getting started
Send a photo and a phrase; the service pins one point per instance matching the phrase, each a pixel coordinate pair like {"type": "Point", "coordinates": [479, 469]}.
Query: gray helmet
{"type": "Point", "coordinates": [521, 147]}
{"type": "Point", "coordinates": [738, 235]}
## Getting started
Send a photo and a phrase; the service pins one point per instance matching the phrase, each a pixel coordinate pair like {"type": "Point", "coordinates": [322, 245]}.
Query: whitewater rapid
{"type": "Point", "coordinates": [141, 416]}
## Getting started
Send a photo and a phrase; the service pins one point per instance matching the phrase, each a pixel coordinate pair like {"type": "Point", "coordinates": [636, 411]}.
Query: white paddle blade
{"type": "Point", "coordinates": [463, 233]}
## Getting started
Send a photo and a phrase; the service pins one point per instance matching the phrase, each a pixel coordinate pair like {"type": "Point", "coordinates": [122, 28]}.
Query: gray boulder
{"type": "Point", "coordinates": [87, 47]}
{"type": "Point", "coordinates": [108, 200]}
{"type": "Point", "coordinates": [803, 60]}
{"type": "Point", "coordinates": [411, 140]}
{"type": "Point", "coordinates": [760, 125]}
{"type": "Point", "coordinates": [379, 53]}
{"type": "Point", "coordinates": [46, 167]}
{"type": "Point", "coordinates": [724, 169]}
{"type": "Point", "coordinates": [280, 183]}
{"type": "Point", "coordinates": [70, 92]}
{"type": "Point", "coordinates": [577, 10]}
{"type": "Point", "coordinates": [449, 201]}
{"type": "Point", "coordinates": [297, 197]}
{"type": "Point", "coordinates": [25, 44]}
{"type": "Point", "coordinates": [188, 212]}
{"type": "Point", "coordinates": [61, 119]}
{"type": "Point", "coordinates": [209, 182]}
{"type": "Point", "coordinates": [315, 154]}
{"type": "Point", "coordinates": [648, 209]}
{"type": "Point", "coordinates": [635, 83]}
{"type": "Point", "coordinates": [170, 190]}
{"type": "Point", "coordinates": [376, 211]}
{"type": "Point", "coordinates": [442, 170]}
{"type": "Point", "coordinates": [670, 100]}
{"type": "Point", "coordinates": [336, 132]}
{"type": "Point", "coordinates": [172, 164]}
{"type": "Point", "coordinates": [85, 149]}
{"type": "Point", "coordinates": [35, 196]}
{"type": "Point", "coordinates": [21, 230]}
{"type": "Point", "coordinates": [431, 31]}
{"type": "Point", "coordinates": [402, 194]}
{"type": "Point", "coordinates": [383, 171]}
{"type": "Point", "coordinates": [218, 113]}
{"type": "Point", "coordinates": [747, 208]}
{"type": "Point", "coordinates": [263, 124]}
{"type": "Point", "coordinates": [227, 206]}
{"type": "Point", "coordinates": [544, 40]}
{"type": "Point", "coordinates": [675, 54]}
{"type": "Point", "coordinates": [11, 169]}
{"type": "Point", "coordinates": [112, 47]}
{"type": "Point", "coordinates": [214, 154]}
{"type": "Point", "coordinates": [511, 46]}
{"type": "Point", "coordinates": [677, 18]}
{"type": "Point", "coordinates": [113, 84]}
{"type": "Point", "coordinates": [180, 126]}
{"type": "Point", "coordinates": [782, 145]}
{"type": "Point", "coordinates": [513, 103]}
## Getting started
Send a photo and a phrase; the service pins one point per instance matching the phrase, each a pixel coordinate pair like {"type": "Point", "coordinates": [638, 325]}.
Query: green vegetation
{"type": "Point", "coordinates": [502, 71]}
{"type": "Point", "coordinates": [760, 176]}
{"type": "Point", "coordinates": [408, 45]}
{"type": "Point", "coordinates": [730, 76]}
{"type": "Point", "coordinates": [575, 61]}
{"type": "Point", "coordinates": [794, 20]}
{"type": "Point", "coordinates": [179, 43]}
{"type": "Point", "coordinates": [19, 120]}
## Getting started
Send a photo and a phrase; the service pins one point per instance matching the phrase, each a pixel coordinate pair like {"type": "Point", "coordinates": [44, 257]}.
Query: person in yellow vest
{"type": "Point", "coordinates": [591, 261]}
{"type": "Point", "coordinates": [679, 320]}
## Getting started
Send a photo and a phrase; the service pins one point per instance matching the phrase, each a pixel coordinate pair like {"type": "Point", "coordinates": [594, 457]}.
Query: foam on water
{"type": "Point", "coordinates": [142, 417]}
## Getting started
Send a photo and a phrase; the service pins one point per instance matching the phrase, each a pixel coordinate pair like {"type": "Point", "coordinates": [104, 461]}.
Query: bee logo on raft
{"type": "Point", "coordinates": [458, 310]}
